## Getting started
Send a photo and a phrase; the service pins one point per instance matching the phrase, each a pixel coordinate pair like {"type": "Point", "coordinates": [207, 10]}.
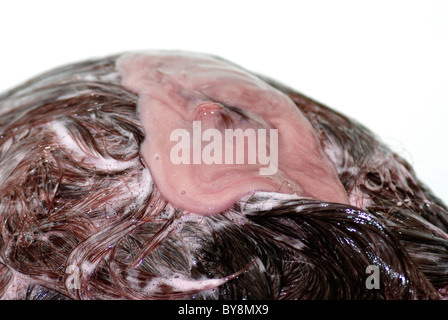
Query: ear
{"type": "Point", "coordinates": [204, 155]}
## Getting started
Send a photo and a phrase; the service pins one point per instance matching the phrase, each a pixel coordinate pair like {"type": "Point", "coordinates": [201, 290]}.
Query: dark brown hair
{"type": "Point", "coordinates": [74, 192]}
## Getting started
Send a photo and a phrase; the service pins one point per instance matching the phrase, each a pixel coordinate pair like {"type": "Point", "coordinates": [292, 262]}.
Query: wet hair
{"type": "Point", "coordinates": [75, 196]}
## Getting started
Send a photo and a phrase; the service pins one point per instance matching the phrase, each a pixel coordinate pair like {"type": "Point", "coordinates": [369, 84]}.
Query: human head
{"type": "Point", "coordinates": [76, 194]}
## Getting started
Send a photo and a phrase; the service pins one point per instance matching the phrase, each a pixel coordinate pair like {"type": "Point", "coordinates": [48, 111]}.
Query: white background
{"type": "Point", "coordinates": [384, 63]}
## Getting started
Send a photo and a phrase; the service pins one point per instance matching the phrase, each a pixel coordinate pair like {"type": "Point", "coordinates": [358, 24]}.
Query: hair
{"type": "Point", "coordinates": [75, 196]}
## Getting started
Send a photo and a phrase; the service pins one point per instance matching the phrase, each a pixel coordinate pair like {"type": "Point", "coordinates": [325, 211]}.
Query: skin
{"type": "Point", "coordinates": [176, 89]}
